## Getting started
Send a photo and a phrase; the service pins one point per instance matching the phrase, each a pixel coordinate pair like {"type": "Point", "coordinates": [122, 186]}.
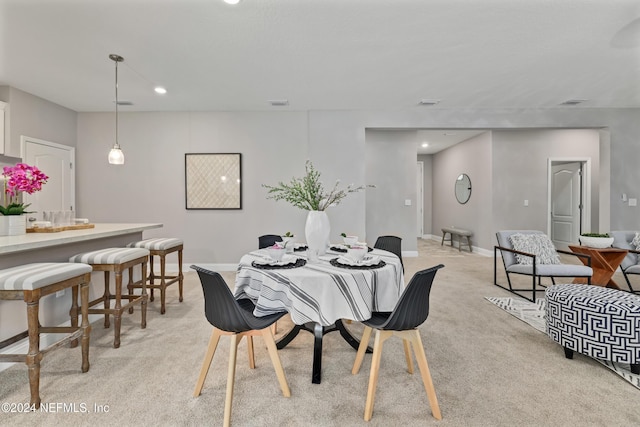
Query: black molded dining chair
{"type": "Point", "coordinates": [410, 312]}
{"type": "Point", "coordinates": [392, 244]}
{"type": "Point", "coordinates": [267, 240]}
{"type": "Point", "coordinates": [235, 318]}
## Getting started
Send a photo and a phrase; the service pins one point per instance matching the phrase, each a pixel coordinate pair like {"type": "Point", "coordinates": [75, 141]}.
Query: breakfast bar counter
{"type": "Point", "coordinates": [58, 247]}
{"type": "Point", "coordinates": [32, 241]}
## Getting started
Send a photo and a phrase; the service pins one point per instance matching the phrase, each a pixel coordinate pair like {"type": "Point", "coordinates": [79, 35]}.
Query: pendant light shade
{"type": "Point", "coordinates": [116, 156]}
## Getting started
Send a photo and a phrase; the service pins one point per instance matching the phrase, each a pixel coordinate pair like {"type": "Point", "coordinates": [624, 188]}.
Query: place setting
{"type": "Point", "coordinates": [278, 258]}
{"type": "Point", "coordinates": [347, 242]}
{"type": "Point", "coordinates": [357, 257]}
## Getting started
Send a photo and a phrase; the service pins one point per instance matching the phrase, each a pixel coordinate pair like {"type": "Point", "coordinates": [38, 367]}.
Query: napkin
{"type": "Point", "coordinates": [286, 260]}
{"type": "Point", "coordinates": [367, 260]}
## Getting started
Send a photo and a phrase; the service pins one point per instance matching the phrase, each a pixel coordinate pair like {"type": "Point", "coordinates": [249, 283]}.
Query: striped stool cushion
{"type": "Point", "coordinates": [110, 256]}
{"type": "Point", "coordinates": [159, 244]}
{"type": "Point", "coordinates": [38, 275]}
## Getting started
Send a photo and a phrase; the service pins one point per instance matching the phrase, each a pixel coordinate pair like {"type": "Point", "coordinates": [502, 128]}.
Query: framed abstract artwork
{"type": "Point", "coordinates": [213, 180]}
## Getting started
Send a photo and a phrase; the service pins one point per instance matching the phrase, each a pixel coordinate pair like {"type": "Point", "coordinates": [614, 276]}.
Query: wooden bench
{"type": "Point", "coordinates": [460, 232]}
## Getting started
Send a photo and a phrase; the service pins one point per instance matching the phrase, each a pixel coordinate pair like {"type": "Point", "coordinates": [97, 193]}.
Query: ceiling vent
{"type": "Point", "coordinates": [573, 101]}
{"type": "Point", "coordinates": [278, 102]}
{"type": "Point", "coordinates": [428, 101]}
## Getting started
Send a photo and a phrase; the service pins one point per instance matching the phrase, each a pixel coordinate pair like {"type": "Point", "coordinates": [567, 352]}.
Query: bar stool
{"type": "Point", "coordinates": [31, 282]}
{"type": "Point", "coordinates": [161, 247]}
{"type": "Point", "coordinates": [117, 260]}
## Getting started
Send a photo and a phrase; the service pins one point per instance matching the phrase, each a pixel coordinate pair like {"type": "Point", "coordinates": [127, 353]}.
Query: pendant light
{"type": "Point", "coordinates": [116, 156]}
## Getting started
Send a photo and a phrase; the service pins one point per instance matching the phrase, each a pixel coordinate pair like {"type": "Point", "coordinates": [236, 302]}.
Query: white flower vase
{"type": "Point", "coordinates": [13, 225]}
{"type": "Point", "coordinates": [317, 231]}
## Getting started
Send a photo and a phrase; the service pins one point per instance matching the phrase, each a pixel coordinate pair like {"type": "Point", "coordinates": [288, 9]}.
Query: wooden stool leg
{"type": "Point", "coordinates": [130, 288]}
{"type": "Point", "coordinates": [85, 325]}
{"type": "Point", "coordinates": [180, 276]}
{"type": "Point", "coordinates": [163, 286]}
{"type": "Point", "coordinates": [145, 296]}
{"type": "Point", "coordinates": [151, 277]}
{"type": "Point", "coordinates": [73, 313]}
{"type": "Point", "coordinates": [117, 316]}
{"type": "Point", "coordinates": [106, 298]}
{"type": "Point", "coordinates": [34, 356]}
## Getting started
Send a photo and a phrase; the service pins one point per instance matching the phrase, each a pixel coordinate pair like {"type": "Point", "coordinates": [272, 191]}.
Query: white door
{"type": "Point", "coordinates": [566, 203]}
{"type": "Point", "coordinates": [420, 198]}
{"type": "Point", "coordinates": [56, 161]}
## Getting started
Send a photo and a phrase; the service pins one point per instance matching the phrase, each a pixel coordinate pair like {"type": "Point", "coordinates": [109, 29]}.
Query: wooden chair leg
{"type": "Point", "coordinates": [378, 341]}
{"type": "Point", "coordinates": [231, 374]}
{"type": "Point", "coordinates": [252, 359]}
{"type": "Point", "coordinates": [275, 360]}
{"type": "Point", "coordinates": [206, 363]}
{"type": "Point", "coordinates": [424, 371]}
{"type": "Point", "coordinates": [362, 349]}
{"type": "Point", "coordinates": [407, 355]}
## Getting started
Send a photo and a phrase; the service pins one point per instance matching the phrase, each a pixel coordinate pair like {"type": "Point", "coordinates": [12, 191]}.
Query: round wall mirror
{"type": "Point", "coordinates": [463, 188]}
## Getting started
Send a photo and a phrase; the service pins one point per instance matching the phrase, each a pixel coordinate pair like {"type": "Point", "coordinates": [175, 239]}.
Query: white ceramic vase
{"type": "Point", "coordinates": [317, 231]}
{"type": "Point", "coordinates": [13, 225]}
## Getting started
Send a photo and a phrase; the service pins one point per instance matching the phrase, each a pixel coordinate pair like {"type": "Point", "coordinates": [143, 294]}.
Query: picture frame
{"type": "Point", "coordinates": [213, 180]}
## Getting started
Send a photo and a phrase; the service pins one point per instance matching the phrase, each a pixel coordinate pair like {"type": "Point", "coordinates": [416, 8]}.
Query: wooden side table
{"type": "Point", "coordinates": [604, 262]}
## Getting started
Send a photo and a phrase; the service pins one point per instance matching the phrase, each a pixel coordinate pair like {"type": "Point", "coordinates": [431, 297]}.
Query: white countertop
{"type": "Point", "coordinates": [29, 241]}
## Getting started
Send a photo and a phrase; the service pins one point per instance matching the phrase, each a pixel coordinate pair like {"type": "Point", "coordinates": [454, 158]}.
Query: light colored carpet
{"type": "Point", "coordinates": [488, 368]}
{"type": "Point", "coordinates": [534, 315]}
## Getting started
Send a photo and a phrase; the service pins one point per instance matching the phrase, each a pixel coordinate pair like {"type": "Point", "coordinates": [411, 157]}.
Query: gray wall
{"type": "Point", "coordinates": [427, 185]}
{"type": "Point", "coordinates": [520, 169]}
{"type": "Point", "coordinates": [472, 157]}
{"type": "Point", "coordinates": [33, 116]}
{"type": "Point", "coordinates": [150, 186]}
{"type": "Point", "coordinates": [390, 162]}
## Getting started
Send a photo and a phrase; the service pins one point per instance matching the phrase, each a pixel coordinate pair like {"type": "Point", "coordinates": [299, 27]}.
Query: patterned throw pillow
{"type": "Point", "coordinates": [636, 241]}
{"type": "Point", "coordinates": [537, 244]}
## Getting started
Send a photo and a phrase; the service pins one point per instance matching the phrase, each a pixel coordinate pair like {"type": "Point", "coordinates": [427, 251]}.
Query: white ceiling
{"type": "Point", "coordinates": [323, 55]}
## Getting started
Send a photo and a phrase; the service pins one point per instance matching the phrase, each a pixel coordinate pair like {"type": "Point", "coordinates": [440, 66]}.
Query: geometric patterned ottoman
{"type": "Point", "coordinates": [598, 322]}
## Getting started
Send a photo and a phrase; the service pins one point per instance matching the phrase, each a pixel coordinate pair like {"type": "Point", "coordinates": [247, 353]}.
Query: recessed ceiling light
{"type": "Point", "coordinates": [232, 1]}
{"type": "Point", "coordinates": [573, 101]}
{"type": "Point", "coordinates": [425, 145]}
{"type": "Point", "coordinates": [160, 90]}
{"type": "Point", "coordinates": [429, 101]}
{"type": "Point", "coordinates": [278, 102]}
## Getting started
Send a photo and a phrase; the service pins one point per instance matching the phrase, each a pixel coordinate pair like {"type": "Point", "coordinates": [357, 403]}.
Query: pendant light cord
{"type": "Point", "coordinates": [117, 143]}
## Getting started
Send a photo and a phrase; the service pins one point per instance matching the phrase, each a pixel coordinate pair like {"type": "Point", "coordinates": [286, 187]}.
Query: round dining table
{"type": "Point", "coordinates": [320, 294]}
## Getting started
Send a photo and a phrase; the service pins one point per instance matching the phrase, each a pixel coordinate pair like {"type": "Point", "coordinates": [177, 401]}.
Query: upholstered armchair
{"type": "Point", "coordinates": [629, 240]}
{"type": "Point", "coordinates": [532, 253]}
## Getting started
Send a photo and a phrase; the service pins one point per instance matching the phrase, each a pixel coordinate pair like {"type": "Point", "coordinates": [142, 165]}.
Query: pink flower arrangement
{"type": "Point", "coordinates": [18, 179]}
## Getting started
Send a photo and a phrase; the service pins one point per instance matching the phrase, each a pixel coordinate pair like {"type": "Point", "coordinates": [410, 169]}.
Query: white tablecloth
{"type": "Point", "coordinates": [319, 292]}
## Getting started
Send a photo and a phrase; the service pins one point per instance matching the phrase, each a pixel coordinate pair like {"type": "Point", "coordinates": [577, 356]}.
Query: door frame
{"type": "Point", "coordinates": [420, 197]}
{"type": "Point", "coordinates": [24, 140]}
{"type": "Point", "coordinates": [586, 188]}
